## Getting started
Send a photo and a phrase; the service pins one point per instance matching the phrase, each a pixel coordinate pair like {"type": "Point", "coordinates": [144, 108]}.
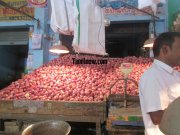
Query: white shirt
{"type": "Point", "coordinates": [158, 86]}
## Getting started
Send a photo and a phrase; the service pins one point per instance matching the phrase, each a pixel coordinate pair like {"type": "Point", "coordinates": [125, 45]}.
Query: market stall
{"type": "Point", "coordinates": [51, 93]}
{"type": "Point", "coordinates": [23, 110]}
{"type": "Point", "coordinates": [84, 88]}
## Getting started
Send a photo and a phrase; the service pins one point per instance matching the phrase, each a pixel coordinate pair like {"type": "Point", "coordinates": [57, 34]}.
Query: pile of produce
{"type": "Point", "coordinates": [62, 79]}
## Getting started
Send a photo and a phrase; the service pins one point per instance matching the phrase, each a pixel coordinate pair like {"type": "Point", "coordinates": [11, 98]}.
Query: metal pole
{"type": "Point", "coordinates": [125, 92]}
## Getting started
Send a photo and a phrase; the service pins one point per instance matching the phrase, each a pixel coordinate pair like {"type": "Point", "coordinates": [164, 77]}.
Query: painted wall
{"type": "Point", "coordinates": [40, 56]}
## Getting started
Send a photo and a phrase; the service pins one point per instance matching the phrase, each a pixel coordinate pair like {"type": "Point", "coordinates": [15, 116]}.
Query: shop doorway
{"type": "Point", "coordinates": [126, 39]}
{"type": "Point", "coordinates": [13, 54]}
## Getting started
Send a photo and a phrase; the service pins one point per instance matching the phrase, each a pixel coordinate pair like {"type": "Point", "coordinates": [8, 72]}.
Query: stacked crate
{"type": "Point", "coordinates": [124, 120]}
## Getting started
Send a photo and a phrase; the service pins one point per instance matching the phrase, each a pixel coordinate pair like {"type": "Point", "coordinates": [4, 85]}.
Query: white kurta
{"type": "Point", "coordinates": [62, 16]}
{"type": "Point", "coordinates": [89, 32]}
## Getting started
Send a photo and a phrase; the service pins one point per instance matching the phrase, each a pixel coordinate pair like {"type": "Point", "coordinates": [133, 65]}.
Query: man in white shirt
{"type": "Point", "coordinates": [160, 84]}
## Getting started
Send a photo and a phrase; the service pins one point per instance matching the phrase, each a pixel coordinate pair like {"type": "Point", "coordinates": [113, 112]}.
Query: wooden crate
{"type": "Point", "coordinates": [125, 121]}
{"type": "Point", "coordinates": [11, 126]}
{"type": "Point", "coordinates": [94, 109]}
{"type": "Point", "coordinates": [55, 110]}
{"type": "Point", "coordinates": [127, 132]}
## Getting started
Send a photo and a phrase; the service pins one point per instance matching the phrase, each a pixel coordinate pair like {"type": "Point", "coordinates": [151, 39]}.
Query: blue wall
{"type": "Point", "coordinates": [40, 56]}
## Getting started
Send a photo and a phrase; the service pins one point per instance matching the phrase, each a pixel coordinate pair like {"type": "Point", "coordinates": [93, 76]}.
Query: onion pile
{"type": "Point", "coordinates": [62, 80]}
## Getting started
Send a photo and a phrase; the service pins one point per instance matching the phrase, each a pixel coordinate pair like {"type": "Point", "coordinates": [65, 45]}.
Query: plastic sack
{"type": "Point", "coordinates": [152, 3]}
{"type": "Point", "coordinates": [89, 32]}
{"type": "Point", "coordinates": [62, 16]}
{"type": "Point", "coordinates": [144, 3]}
{"type": "Point", "coordinates": [170, 121]}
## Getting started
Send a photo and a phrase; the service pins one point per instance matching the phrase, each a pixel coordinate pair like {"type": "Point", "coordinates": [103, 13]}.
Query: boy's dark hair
{"type": "Point", "coordinates": [166, 38]}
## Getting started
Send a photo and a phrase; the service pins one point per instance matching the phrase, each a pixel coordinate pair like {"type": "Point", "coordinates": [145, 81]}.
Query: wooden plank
{"type": "Point", "coordinates": [125, 128]}
{"type": "Point", "coordinates": [113, 111]}
{"type": "Point", "coordinates": [127, 123]}
{"type": "Point", "coordinates": [57, 107]}
{"type": "Point", "coordinates": [120, 98]}
{"type": "Point", "coordinates": [51, 117]}
{"type": "Point", "coordinates": [125, 133]}
{"type": "Point", "coordinates": [98, 128]}
{"type": "Point", "coordinates": [9, 133]}
{"type": "Point", "coordinates": [65, 111]}
{"type": "Point", "coordinates": [94, 112]}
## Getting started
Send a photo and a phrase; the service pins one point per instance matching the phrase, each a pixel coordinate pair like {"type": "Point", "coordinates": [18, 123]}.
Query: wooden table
{"type": "Point", "coordinates": [94, 112]}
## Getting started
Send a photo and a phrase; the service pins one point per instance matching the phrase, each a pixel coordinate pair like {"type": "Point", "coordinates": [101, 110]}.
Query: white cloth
{"type": "Point", "coordinates": [89, 29]}
{"type": "Point", "coordinates": [152, 3]}
{"type": "Point", "coordinates": [145, 3]}
{"type": "Point", "coordinates": [62, 16]}
{"type": "Point", "coordinates": [158, 87]}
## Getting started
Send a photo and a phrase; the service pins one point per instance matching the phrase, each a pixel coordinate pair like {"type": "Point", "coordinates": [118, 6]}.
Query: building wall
{"type": "Point", "coordinates": [39, 55]}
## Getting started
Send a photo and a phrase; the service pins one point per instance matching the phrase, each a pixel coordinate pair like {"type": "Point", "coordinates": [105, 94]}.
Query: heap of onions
{"type": "Point", "coordinates": [62, 80]}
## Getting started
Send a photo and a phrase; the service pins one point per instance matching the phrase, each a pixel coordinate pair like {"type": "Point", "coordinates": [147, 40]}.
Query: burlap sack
{"type": "Point", "coordinates": [170, 123]}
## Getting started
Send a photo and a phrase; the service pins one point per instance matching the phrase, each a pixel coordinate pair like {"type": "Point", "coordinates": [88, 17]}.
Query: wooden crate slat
{"type": "Point", "coordinates": [64, 108]}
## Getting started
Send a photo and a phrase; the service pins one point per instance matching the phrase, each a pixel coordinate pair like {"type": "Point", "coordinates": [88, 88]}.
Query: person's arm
{"type": "Point", "coordinates": [156, 116]}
